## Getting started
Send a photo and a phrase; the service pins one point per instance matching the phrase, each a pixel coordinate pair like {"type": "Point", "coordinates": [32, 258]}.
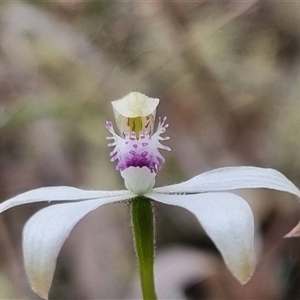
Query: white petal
{"type": "Point", "coordinates": [138, 180]}
{"type": "Point", "coordinates": [232, 178]}
{"type": "Point", "coordinates": [228, 221]}
{"type": "Point", "coordinates": [58, 193]}
{"type": "Point", "coordinates": [44, 235]}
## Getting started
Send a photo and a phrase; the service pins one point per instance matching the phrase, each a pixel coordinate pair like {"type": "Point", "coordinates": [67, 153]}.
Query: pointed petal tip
{"type": "Point", "coordinates": [244, 281]}
{"type": "Point", "coordinates": [295, 232]}
{"type": "Point", "coordinates": [245, 274]}
{"type": "Point", "coordinates": [40, 290]}
{"type": "Point", "coordinates": [39, 283]}
{"type": "Point", "coordinates": [43, 295]}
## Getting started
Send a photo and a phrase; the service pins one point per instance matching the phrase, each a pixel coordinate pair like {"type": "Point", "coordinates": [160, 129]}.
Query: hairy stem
{"type": "Point", "coordinates": [144, 237]}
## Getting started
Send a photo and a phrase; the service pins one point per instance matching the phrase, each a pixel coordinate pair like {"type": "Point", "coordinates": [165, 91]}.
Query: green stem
{"type": "Point", "coordinates": [144, 237]}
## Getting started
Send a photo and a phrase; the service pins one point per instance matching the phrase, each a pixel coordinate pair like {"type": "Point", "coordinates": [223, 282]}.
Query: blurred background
{"type": "Point", "coordinates": [227, 74]}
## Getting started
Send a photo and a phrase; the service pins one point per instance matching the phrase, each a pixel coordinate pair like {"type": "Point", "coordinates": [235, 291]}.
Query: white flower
{"type": "Point", "coordinates": [226, 217]}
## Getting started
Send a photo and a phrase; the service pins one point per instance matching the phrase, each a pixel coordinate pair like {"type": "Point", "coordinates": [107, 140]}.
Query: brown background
{"type": "Point", "coordinates": [227, 74]}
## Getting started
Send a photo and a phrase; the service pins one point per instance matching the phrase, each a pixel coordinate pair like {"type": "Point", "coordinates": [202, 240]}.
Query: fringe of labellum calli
{"type": "Point", "coordinates": [141, 151]}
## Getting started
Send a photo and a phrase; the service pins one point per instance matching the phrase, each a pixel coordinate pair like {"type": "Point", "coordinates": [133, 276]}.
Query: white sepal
{"type": "Point", "coordinates": [44, 235]}
{"type": "Point", "coordinates": [231, 178]}
{"type": "Point", "coordinates": [228, 221]}
{"type": "Point", "coordinates": [58, 193]}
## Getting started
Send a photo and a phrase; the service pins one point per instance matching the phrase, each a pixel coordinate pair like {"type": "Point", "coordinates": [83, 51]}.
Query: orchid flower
{"type": "Point", "coordinates": [226, 217]}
